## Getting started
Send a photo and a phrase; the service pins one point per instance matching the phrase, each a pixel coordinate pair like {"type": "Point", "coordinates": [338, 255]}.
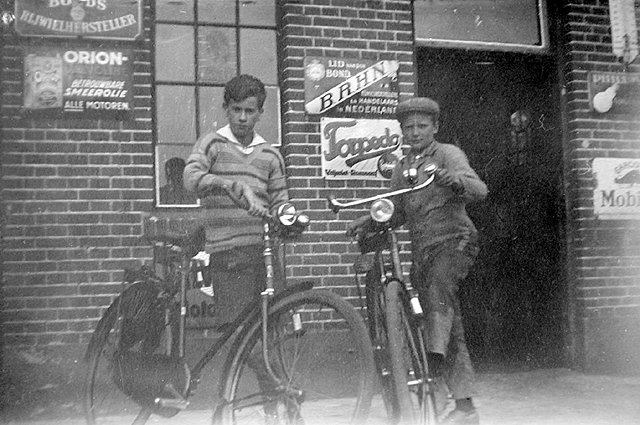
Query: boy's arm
{"type": "Point", "coordinates": [467, 182]}
{"type": "Point", "coordinates": [277, 189]}
{"type": "Point", "coordinates": [196, 175]}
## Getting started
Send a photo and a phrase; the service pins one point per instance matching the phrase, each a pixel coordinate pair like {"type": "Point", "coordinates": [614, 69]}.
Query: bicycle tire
{"type": "Point", "coordinates": [104, 402]}
{"type": "Point", "coordinates": [414, 392]}
{"type": "Point", "coordinates": [331, 343]}
{"type": "Point", "coordinates": [375, 303]}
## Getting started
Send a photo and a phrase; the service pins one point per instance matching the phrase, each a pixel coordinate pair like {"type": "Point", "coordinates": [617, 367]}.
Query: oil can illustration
{"type": "Point", "coordinates": [43, 82]}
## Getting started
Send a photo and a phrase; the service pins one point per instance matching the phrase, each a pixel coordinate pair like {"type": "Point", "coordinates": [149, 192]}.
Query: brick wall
{"type": "Point", "coordinates": [73, 195]}
{"type": "Point", "coordinates": [357, 29]}
{"type": "Point", "coordinates": [75, 192]}
{"type": "Point", "coordinates": [604, 275]}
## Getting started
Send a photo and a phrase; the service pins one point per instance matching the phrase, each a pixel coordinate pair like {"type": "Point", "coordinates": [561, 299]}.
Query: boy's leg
{"type": "Point", "coordinates": [448, 354]}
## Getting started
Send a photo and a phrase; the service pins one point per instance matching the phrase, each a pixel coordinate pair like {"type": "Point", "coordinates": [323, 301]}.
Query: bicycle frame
{"type": "Point", "coordinates": [246, 316]}
{"type": "Point", "coordinates": [393, 281]}
{"type": "Point", "coordinates": [411, 178]}
{"type": "Point", "coordinates": [270, 360]}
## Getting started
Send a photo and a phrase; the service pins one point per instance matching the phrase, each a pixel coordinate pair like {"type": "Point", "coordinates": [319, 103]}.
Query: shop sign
{"type": "Point", "coordinates": [201, 310]}
{"type": "Point", "coordinates": [342, 87]}
{"type": "Point", "coordinates": [617, 192]}
{"type": "Point", "coordinates": [359, 149]}
{"type": "Point", "coordinates": [103, 19]}
{"type": "Point", "coordinates": [79, 81]}
{"type": "Point", "coordinates": [615, 92]}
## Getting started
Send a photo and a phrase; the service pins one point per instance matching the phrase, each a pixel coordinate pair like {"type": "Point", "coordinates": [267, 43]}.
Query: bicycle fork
{"type": "Point", "coordinates": [266, 295]}
{"type": "Point", "coordinates": [414, 300]}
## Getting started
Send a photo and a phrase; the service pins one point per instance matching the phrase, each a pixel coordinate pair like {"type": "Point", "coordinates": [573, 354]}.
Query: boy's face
{"type": "Point", "coordinates": [418, 131]}
{"type": "Point", "coordinates": [243, 117]}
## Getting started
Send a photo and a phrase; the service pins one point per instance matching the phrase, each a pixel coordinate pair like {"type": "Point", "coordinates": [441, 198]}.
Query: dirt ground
{"type": "Point", "coordinates": [558, 397]}
{"type": "Point", "coordinates": [538, 397]}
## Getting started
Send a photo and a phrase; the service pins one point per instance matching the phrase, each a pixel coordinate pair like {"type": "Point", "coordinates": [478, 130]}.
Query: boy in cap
{"type": "Point", "coordinates": [444, 244]}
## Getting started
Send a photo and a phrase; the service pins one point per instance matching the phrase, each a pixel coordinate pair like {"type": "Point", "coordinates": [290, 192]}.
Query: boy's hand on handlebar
{"type": "Point", "coordinates": [446, 178]}
{"type": "Point", "coordinates": [358, 226]}
{"type": "Point", "coordinates": [243, 195]}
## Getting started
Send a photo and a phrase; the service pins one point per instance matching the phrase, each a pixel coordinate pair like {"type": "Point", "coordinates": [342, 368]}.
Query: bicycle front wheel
{"type": "Point", "coordinates": [376, 311]}
{"type": "Point", "coordinates": [320, 353]}
{"type": "Point", "coordinates": [414, 390]}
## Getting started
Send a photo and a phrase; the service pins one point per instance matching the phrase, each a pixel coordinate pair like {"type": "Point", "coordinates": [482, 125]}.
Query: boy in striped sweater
{"type": "Point", "coordinates": [237, 160]}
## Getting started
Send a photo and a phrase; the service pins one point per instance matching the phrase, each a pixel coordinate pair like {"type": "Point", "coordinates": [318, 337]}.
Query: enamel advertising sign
{"type": "Point", "coordinates": [615, 92]}
{"type": "Point", "coordinates": [79, 82]}
{"type": "Point", "coordinates": [103, 19]}
{"type": "Point", "coordinates": [617, 192]}
{"type": "Point", "coordinates": [361, 149]}
{"type": "Point", "coordinates": [351, 88]}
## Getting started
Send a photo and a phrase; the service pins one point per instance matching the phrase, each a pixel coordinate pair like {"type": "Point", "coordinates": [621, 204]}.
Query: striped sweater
{"type": "Point", "coordinates": [219, 156]}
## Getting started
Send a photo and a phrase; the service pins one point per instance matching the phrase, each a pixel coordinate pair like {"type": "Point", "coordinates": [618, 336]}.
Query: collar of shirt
{"type": "Point", "coordinates": [427, 153]}
{"type": "Point", "coordinates": [228, 134]}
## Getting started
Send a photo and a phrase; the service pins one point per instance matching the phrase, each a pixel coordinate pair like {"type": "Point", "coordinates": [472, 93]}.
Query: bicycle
{"type": "Point", "coordinates": [278, 344]}
{"type": "Point", "coordinates": [394, 313]}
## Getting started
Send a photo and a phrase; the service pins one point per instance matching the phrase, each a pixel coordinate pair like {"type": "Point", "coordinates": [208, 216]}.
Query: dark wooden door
{"type": "Point", "coordinates": [503, 110]}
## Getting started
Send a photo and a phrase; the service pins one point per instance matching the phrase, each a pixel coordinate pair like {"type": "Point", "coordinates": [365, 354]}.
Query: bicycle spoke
{"type": "Point", "coordinates": [318, 359]}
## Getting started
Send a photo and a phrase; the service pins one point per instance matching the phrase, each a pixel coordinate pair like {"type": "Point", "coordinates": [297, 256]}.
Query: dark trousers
{"type": "Point", "coordinates": [437, 274]}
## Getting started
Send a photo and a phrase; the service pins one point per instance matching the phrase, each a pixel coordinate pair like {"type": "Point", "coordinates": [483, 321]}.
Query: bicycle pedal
{"type": "Point", "coordinates": [413, 382]}
{"type": "Point", "coordinates": [173, 403]}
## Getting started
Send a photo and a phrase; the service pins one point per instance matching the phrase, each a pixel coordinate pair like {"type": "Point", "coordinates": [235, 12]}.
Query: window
{"type": "Point", "coordinates": [199, 46]}
{"type": "Point", "coordinates": [508, 25]}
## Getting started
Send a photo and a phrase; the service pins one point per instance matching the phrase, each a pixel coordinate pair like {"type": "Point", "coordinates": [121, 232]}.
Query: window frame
{"type": "Point", "coordinates": [200, 121]}
{"type": "Point", "coordinates": [542, 48]}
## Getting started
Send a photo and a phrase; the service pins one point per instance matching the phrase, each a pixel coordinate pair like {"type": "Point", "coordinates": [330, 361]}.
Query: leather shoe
{"type": "Point", "coordinates": [460, 417]}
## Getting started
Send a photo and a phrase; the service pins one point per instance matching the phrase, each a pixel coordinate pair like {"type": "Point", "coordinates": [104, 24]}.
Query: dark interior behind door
{"type": "Point", "coordinates": [502, 109]}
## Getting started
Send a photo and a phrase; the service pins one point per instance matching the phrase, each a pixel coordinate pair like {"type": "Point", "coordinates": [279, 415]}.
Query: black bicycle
{"type": "Point", "coordinates": [394, 313]}
{"type": "Point", "coordinates": [291, 352]}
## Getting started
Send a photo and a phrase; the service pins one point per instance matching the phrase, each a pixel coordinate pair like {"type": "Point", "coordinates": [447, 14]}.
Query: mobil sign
{"type": "Point", "coordinates": [617, 192]}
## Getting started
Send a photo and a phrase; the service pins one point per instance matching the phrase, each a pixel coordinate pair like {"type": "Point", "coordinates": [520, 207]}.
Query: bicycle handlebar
{"type": "Point", "coordinates": [298, 223]}
{"type": "Point", "coordinates": [336, 206]}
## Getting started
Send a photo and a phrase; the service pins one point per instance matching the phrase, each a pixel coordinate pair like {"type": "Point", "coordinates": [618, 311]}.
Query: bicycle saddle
{"type": "Point", "coordinates": [190, 241]}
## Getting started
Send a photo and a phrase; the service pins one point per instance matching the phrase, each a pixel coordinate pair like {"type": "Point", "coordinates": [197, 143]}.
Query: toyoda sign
{"type": "Point", "coordinates": [78, 81]}
{"type": "Point", "coordinates": [359, 149]}
{"type": "Point", "coordinates": [617, 192]}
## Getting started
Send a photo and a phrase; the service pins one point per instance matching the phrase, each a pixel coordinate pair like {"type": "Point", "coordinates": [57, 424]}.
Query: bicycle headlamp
{"type": "Point", "coordinates": [291, 219]}
{"type": "Point", "coordinates": [382, 210]}
{"type": "Point", "coordinates": [287, 214]}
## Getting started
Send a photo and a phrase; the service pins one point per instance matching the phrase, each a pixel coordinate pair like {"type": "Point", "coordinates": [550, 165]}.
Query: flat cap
{"type": "Point", "coordinates": [417, 104]}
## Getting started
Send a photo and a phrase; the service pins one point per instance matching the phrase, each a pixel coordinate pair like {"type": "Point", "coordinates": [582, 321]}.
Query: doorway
{"type": "Point", "coordinates": [503, 110]}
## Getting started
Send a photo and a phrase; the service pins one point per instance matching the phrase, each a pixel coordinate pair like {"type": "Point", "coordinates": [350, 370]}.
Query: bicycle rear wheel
{"type": "Point", "coordinates": [321, 353]}
{"type": "Point", "coordinates": [414, 390]}
{"type": "Point", "coordinates": [134, 326]}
